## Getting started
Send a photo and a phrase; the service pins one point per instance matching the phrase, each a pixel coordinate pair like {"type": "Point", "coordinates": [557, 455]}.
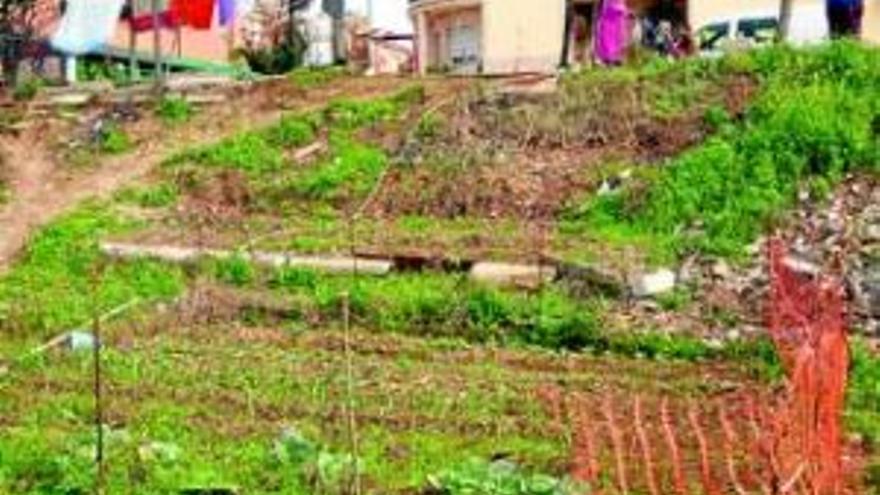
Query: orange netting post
{"type": "Point", "coordinates": [791, 443]}
{"type": "Point", "coordinates": [806, 322]}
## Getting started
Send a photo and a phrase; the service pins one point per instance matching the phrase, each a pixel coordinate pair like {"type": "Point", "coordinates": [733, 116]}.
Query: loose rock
{"type": "Point", "coordinates": [653, 284]}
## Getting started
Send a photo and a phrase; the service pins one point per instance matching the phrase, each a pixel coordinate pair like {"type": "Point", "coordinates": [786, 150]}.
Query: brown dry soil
{"type": "Point", "coordinates": [44, 183]}
{"type": "Point", "coordinates": [529, 156]}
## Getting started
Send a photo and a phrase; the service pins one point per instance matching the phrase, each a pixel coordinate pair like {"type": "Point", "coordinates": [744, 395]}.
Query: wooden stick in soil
{"type": "Point", "coordinates": [98, 394]}
{"type": "Point", "coordinates": [133, 70]}
{"type": "Point", "coordinates": [355, 479]}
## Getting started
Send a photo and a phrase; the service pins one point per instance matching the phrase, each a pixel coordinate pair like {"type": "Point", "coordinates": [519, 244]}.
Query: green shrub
{"type": "Point", "coordinates": [413, 94]}
{"type": "Point", "coordinates": [175, 110]}
{"type": "Point", "coordinates": [27, 465]}
{"type": "Point", "coordinates": [260, 153]}
{"type": "Point", "coordinates": [348, 115]}
{"type": "Point", "coordinates": [292, 131]}
{"type": "Point", "coordinates": [293, 279]}
{"type": "Point", "coordinates": [235, 270]}
{"type": "Point", "coordinates": [437, 305]}
{"type": "Point", "coordinates": [114, 140]}
{"type": "Point", "coordinates": [28, 90]}
{"type": "Point", "coordinates": [117, 73]}
{"type": "Point", "coordinates": [717, 118]}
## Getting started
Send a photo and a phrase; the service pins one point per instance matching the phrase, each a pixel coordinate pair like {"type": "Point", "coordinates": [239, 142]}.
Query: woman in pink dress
{"type": "Point", "coordinates": [612, 32]}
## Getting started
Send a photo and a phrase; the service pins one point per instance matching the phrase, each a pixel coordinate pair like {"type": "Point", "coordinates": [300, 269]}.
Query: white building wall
{"type": "Point", "coordinates": [522, 35]}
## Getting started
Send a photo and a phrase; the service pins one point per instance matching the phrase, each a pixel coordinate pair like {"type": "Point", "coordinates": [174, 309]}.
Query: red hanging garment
{"type": "Point", "coordinates": [144, 22]}
{"type": "Point", "coordinates": [198, 14]}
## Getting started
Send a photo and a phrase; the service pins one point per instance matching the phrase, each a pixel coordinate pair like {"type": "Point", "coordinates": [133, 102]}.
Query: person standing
{"type": "Point", "coordinates": [845, 17]}
{"type": "Point", "coordinates": [612, 32]}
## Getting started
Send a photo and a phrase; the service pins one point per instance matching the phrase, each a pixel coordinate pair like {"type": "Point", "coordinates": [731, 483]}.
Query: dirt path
{"type": "Point", "coordinates": [40, 191]}
{"type": "Point", "coordinates": [41, 188]}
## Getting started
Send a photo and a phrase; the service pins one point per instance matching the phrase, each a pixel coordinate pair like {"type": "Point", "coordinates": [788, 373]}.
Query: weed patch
{"type": "Point", "coordinates": [114, 140]}
{"type": "Point", "coordinates": [28, 90]}
{"type": "Point", "coordinates": [293, 131]}
{"type": "Point", "coordinates": [802, 131]}
{"type": "Point", "coordinates": [262, 153]}
{"type": "Point", "coordinates": [156, 196]}
{"type": "Point", "coordinates": [250, 152]}
{"type": "Point", "coordinates": [311, 77]}
{"type": "Point", "coordinates": [61, 281]}
{"type": "Point", "coordinates": [352, 170]}
{"type": "Point", "coordinates": [863, 400]}
{"type": "Point", "coordinates": [175, 110]}
{"type": "Point", "coordinates": [446, 306]}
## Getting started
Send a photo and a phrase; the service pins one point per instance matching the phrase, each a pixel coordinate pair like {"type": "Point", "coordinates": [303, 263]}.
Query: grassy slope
{"type": "Point", "coordinates": [221, 394]}
{"type": "Point", "coordinates": [814, 121]}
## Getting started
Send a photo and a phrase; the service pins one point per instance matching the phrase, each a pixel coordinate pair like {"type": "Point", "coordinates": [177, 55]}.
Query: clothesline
{"type": "Point", "coordinates": [89, 24]}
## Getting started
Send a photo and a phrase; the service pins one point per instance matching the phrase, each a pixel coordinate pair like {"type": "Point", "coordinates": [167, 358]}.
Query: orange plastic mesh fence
{"type": "Point", "coordinates": [742, 443]}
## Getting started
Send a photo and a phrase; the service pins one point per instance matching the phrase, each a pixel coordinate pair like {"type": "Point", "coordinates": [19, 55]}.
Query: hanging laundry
{"type": "Point", "coordinates": [198, 14]}
{"type": "Point", "coordinates": [226, 9]}
{"type": "Point", "coordinates": [244, 7]}
{"type": "Point", "coordinates": [86, 25]}
{"type": "Point", "coordinates": [144, 22]}
{"type": "Point", "coordinates": [612, 31]}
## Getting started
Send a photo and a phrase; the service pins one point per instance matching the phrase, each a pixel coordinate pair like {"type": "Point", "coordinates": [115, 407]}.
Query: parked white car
{"type": "Point", "coordinates": [808, 26]}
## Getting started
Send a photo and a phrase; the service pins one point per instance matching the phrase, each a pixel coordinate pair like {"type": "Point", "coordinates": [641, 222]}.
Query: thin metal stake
{"type": "Point", "coordinates": [157, 46]}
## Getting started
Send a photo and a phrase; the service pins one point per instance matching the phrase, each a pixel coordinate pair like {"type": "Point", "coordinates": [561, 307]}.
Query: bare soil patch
{"type": "Point", "coordinates": [529, 156]}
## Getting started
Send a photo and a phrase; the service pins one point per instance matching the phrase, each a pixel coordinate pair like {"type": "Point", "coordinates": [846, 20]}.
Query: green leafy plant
{"type": "Point", "coordinates": [175, 110]}
{"type": "Point", "coordinates": [158, 196]}
{"type": "Point", "coordinates": [27, 465]}
{"type": "Point", "coordinates": [318, 467]}
{"type": "Point", "coordinates": [235, 270]}
{"type": "Point", "coordinates": [250, 152]}
{"type": "Point", "coordinates": [53, 286]}
{"type": "Point", "coordinates": [435, 305]}
{"type": "Point", "coordinates": [863, 399]}
{"type": "Point", "coordinates": [293, 131]}
{"type": "Point", "coordinates": [351, 171]}
{"type": "Point", "coordinates": [117, 73]}
{"type": "Point", "coordinates": [311, 77]}
{"type": "Point", "coordinates": [114, 140]}
{"type": "Point", "coordinates": [478, 477]}
{"type": "Point", "coordinates": [28, 90]}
